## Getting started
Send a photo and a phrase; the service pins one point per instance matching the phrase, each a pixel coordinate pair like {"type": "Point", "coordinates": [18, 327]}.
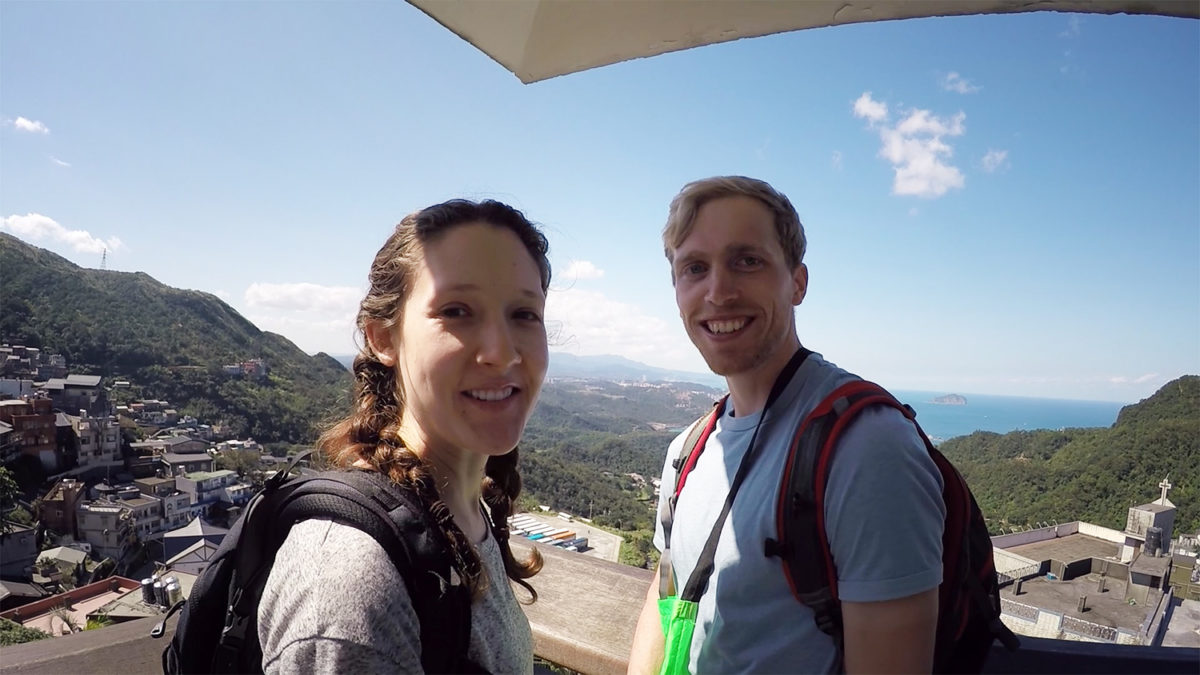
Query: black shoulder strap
{"type": "Point", "coordinates": [392, 516]}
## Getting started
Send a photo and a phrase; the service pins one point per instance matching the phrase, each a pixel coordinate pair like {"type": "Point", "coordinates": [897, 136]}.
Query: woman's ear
{"type": "Point", "coordinates": [381, 342]}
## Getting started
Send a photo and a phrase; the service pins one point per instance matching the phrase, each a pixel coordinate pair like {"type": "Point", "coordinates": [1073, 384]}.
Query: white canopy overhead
{"type": "Point", "coordinates": [540, 39]}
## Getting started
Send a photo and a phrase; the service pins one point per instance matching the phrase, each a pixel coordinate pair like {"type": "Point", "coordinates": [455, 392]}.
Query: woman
{"type": "Point", "coordinates": [454, 357]}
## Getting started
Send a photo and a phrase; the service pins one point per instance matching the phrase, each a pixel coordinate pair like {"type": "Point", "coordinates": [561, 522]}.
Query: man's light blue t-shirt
{"type": "Point", "coordinates": [884, 513]}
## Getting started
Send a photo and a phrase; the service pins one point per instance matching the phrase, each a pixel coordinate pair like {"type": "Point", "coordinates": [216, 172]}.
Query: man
{"type": "Point", "coordinates": [736, 248]}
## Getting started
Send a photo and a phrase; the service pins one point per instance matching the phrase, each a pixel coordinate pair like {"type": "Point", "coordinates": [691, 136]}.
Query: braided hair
{"type": "Point", "coordinates": [371, 432]}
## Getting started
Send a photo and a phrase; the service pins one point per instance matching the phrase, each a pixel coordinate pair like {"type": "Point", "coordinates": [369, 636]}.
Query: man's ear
{"type": "Point", "coordinates": [381, 342]}
{"type": "Point", "coordinates": [800, 279]}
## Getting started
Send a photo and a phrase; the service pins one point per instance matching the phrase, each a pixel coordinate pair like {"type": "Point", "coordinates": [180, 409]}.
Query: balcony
{"type": "Point", "coordinates": [583, 621]}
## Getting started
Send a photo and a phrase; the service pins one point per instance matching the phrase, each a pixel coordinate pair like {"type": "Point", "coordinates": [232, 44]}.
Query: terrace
{"type": "Point", "coordinates": [583, 621]}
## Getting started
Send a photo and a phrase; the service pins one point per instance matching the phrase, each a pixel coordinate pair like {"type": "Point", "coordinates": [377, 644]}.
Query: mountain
{"type": "Point", "coordinates": [1025, 477]}
{"type": "Point", "coordinates": [619, 368]}
{"type": "Point", "coordinates": [607, 367]}
{"type": "Point", "coordinates": [169, 343]}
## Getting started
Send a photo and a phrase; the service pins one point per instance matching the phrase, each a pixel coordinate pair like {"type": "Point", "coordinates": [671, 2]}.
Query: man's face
{"type": "Point", "coordinates": [734, 289]}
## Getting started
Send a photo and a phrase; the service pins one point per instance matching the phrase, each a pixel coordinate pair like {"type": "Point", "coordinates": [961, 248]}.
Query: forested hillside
{"type": "Point", "coordinates": [171, 343]}
{"type": "Point", "coordinates": [1094, 475]}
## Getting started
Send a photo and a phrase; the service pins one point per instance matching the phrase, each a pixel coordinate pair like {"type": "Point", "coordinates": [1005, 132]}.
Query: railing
{"type": "Point", "coordinates": [584, 621]}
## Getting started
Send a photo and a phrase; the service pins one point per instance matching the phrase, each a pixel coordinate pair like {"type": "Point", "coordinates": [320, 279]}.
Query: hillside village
{"type": "Point", "coordinates": [98, 491]}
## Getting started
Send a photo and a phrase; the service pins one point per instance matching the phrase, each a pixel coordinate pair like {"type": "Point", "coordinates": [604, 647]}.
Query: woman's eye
{"type": "Point", "coordinates": [454, 312]}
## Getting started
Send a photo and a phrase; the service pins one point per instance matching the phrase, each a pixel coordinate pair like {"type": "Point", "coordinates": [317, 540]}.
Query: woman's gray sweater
{"type": "Point", "coordinates": [335, 603]}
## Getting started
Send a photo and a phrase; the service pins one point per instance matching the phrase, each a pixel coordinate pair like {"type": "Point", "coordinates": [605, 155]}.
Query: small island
{"type": "Point", "coordinates": [950, 399]}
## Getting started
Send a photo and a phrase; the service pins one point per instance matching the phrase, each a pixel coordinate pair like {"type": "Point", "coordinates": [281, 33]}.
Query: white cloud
{"type": "Point", "coordinates": [869, 109]}
{"type": "Point", "coordinates": [31, 126]}
{"type": "Point", "coordinates": [59, 161]}
{"type": "Point", "coordinates": [36, 227]}
{"type": "Point", "coordinates": [916, 147]}
{"type": "Point", "coordinates": [587, 322]}
{"type": "Point", "coordinates": [994, 159]}
{"type": "Point", "coordinates": [837, 159]}
{"type": "Point", "coordinates": [582, 269]}
{"type": "Point", "coordinates": [303, 297]}
{"type": "Point", "coordinates": [955, 82]}
{"type": "Point", "coordinates": [1072, 29]}
{"type": "Point", "coordinates": [1141, 379]}
{"type": "Point", "coordinates": [912, 213]}
{"type": "Point", "coordinates": [317, 318]}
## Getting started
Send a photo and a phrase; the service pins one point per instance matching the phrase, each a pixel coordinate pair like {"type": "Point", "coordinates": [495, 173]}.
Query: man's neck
{"type": "Point", "coordinates": [748, 392]}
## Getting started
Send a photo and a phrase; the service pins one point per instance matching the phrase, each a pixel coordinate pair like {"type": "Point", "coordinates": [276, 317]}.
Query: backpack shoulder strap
{"type": "Point", "coordinates": [802, 541]}
{"type": "Point", "coordinates": [391, 514]}
{"type": "Point", "coordinates": [693, 445]}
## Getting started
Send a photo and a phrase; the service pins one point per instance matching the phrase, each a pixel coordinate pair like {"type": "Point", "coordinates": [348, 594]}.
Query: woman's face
{"type": "Point", "coordinates": [470, 347]}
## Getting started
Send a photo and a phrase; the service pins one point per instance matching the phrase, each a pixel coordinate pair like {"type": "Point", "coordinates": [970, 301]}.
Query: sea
{"type": "Point", "coordinates": [1003, 414]}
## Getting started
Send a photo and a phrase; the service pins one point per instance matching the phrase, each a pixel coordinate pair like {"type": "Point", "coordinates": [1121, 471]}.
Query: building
{"type": "Point", "coordinates": [99, 440]}
{"type": "Point", "coordinates": [176, 464]}
{"type": "Point", "coordinates": [69, 612]}
{"type": "Point", "coordinates": [108, 526]}
{"type": "Point", "coordinates": [34, 422]}
{"type": "Point", "coordinates": [178, 541]}
{"type": "Point", "coordinates": [1079, 581]}
{"type": "Point", "coordinates": [209, 488]}
{"type": "Point", "coordinates": [19, 543]}
{"type": "Point", "coordinates": [57, 509]}
{"type": "Point", "coordinates": [176, 510]}
{"type": "Point", "coordinates": [77, 392]}
{"type": "Point", "coordinates": [10, 443]}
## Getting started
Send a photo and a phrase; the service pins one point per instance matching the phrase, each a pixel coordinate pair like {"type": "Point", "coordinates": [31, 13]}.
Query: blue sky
{"type": "Point", "coordinates": [997, 204]}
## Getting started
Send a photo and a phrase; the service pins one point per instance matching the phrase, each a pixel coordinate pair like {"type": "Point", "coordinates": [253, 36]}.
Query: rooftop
{"type": "Point", "coordinates": [1106, 609]}
{"type": "Point", "coordinates": [1067, 549]}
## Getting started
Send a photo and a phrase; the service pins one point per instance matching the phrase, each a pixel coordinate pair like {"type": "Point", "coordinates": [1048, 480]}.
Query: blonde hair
{"type": "Point", "coordinates": [696, 194]}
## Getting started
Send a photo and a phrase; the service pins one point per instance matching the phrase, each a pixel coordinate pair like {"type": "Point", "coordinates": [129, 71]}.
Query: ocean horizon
{"type": "Point", "coordinates": [1002, 414]}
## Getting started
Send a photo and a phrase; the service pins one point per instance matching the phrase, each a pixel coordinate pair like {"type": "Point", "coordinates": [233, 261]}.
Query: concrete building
{"type": "Point", "coordinates": [99, 440]}
{"type": "Point", "coordinates": [10, 443]}
{"type": "Point", "coordinates": [57, 509]}
{"type": "Point", "coordinates": [34, 422]}
{"type": "Point", "coordinates": [175, 504]}
{"type": "Point", "coordinates": [19, 543]}
{"type": "Point", "coordinates": [209, 488]}
{"type": "Point", "coordinates": [108, 526]}
{"type": "Point", "coordinates": [68, 612]}
{"type": "Point", "coordinates": [77, 392]}
{"type": "Point", "coordinates": [1079, 581]}
{"type": "Point", "coordinates": [175, 464]}
{"type": "Point", "coordinates": [178, 541]}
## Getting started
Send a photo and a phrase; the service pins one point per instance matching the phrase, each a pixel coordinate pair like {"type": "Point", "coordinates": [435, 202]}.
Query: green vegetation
{"type": "Point", "coordinates": [13, 633]}
{"type": "Point", "coordinates": [1094, 475]}
{"type": "Point", "coordinates": [169, 343]}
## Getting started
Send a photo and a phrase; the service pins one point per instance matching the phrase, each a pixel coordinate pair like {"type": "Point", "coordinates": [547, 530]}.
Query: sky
{"type": "Point", "coordinates": [994, 204]}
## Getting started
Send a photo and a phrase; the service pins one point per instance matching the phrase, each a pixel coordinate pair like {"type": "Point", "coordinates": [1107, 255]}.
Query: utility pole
{"type": "Point", "coordinates": [104, 259]}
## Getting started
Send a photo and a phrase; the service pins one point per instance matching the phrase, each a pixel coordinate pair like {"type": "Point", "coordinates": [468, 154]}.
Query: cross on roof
{"type": "Point", "coordinates": [1166, 487]}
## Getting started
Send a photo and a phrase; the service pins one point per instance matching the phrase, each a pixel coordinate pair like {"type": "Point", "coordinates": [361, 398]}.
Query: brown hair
{"type": "Point", "coordinates": [696, 194]}
{"type": "Point", "coordinates": [371, 432]}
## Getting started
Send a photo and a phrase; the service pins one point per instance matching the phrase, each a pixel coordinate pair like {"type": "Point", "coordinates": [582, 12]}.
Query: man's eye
{"type": "Point", "coordinates": [528, 315]}
{"type": "Point", "coordinates": [693, 268]}
{"type": "Point", "coordinates": [749, 261]}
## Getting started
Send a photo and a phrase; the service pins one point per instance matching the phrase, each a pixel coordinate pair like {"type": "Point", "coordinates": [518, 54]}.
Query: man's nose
{"type": "Point", "coordinates": [721, 287]}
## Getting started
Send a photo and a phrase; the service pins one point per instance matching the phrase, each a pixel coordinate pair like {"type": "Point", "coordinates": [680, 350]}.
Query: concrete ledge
{"type": "Point", "coordinates": [587, 609]}
{"type": "Point", "coordinates": [583, 620]}
{"type": "Point", "coordinates": [122, 648]}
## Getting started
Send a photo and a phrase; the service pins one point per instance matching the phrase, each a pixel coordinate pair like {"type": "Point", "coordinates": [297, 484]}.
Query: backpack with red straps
{"type": "Point", "coordinates": [968, 598]}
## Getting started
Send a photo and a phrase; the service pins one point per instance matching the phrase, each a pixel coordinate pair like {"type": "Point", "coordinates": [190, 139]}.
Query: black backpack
{"type": "Point", "coordinates": [218, 629]}
{"type": "Point", "coordinates": [969, 596]}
